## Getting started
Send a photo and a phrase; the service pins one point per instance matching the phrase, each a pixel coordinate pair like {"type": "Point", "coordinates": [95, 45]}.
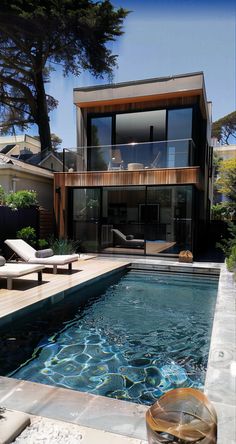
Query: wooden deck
{"type": "Point", "coordinates": [27, 291]}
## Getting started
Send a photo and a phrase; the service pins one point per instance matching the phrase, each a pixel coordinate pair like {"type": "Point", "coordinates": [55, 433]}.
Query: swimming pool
{"type": "Point", "coordinates": [147, 333]}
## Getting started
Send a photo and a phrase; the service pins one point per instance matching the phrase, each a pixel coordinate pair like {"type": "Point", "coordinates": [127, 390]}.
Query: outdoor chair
{"type": "Point", "coordinates": [28, 254]}
{"type": "Point", "coordinates": [128, 241]}
{"type": "Point", "coordinates": [11, 271]}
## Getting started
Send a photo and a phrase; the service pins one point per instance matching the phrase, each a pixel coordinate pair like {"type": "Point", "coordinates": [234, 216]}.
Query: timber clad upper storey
{"type": "Point", "coordinates": [141, 166]}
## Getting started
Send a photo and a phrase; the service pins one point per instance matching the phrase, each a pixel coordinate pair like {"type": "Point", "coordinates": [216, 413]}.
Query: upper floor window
{"type": "Point", "coordinates": [101, 131]}
{"type": "Point", "coordinates": [179, 124]}
{"type": "Point", "coordinates": [145, 126]}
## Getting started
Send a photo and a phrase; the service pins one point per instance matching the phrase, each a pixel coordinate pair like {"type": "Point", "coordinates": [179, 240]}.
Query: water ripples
{"type": "Point", "coordinates": [144, 336]}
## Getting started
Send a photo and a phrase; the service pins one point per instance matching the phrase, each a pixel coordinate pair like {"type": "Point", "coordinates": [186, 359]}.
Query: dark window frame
{"type": "Point", "coordinates": [193, 210]}
{"type": "Point", "coordinates": [90, 116]}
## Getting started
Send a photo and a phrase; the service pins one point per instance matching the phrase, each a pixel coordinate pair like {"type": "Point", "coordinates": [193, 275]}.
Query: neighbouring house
{"type": "Point", "coordinates": [50, 160]}
{"type": "Point", "coordinates": [28, 149]}
{"type": "Point", "coordinates": [139, 180]}
{"type": "Point", "coordinates": [20, 147]}
{"type": "Point", "coordinates": [16, 175]}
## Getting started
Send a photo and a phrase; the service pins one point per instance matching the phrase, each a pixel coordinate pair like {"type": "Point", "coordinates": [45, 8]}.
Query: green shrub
{"type": "Point", "coordinates": [63, 246]}
{"type": "Point", "coordinates": [222, 211]}
{"type": "Point", "coordinates": [22, 199]}
{"type": "Point", "coordinates": [42, 243]}
{"type": "Point", "coordinates": [2, 195]}
{"type": "Point", "coordinates": [231, 260]}
{"type": "Point", "coordinates": [28, 234]}
{"type": "Point", "coordinates": [226, 245]}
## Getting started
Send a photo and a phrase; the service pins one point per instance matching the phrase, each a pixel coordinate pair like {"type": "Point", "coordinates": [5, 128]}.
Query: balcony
{"type": "Point", "coordinates": [133, 156]}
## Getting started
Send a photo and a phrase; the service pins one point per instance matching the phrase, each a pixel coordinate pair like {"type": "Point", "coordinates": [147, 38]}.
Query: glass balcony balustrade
{"type": "Point", "coordinates": [132, 156]}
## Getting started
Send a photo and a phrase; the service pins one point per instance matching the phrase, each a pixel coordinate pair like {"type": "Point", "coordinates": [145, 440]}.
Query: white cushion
{"type": "Point", "coordinates": [21, 248]}
{"type": "Point", "coordinates": [59, 259]}
{"type": "Point", "coordinates": [16, 270]}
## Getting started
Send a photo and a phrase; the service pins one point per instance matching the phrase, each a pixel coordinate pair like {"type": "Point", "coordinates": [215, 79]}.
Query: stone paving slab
{"type": "Point", "coordinates": [85, 409]}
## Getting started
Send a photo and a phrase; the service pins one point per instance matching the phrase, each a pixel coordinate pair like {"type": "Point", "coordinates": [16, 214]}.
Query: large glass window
{"type": "Point", "coordinates": [100, 136]}
{"type": "Point", "coordinates": [146, 126]}
{"type": "Point", "coordinates": [134, 220]}
{"type": "Point", "coordinates": [172, 231]}
{"type": "Point", "coordinates": [122, 224]}
{"type": "Point", "coordinates": [179, 124]}
{"type": "Point", "coordinates": [101, 131]}
{"type": "Point", "coordinates": [147, 139]}
{"type": "Point", "coordinates": [179, 150]}
{"type": "Point", "coordinates": [86, 217]}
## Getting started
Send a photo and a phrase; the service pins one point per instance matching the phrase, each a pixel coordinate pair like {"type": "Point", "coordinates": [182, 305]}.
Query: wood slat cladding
{"type": "Point", "coordinates": [130, 105]}
{"type": "Point", "coordinates": [46, 223]}
{"type": "Point", "coordinates": [165, 176]}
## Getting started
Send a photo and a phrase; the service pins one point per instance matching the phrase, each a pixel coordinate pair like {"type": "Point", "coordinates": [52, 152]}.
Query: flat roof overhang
{"type": "Point", "coordinates": [142, 90]}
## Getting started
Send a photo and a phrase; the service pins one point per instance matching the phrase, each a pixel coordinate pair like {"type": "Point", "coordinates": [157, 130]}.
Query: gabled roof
{"type": "Point", "coordinates": [41, 157]}
{"type": "Point", "coordinates": [5, 160]}
{"type": "Point", "coordinates": [11, 162]}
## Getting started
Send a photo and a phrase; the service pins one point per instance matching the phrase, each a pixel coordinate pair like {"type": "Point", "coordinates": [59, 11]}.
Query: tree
{"type": "Point", "coordinates": [226, 183]}
{"type": "Point", "coordinates": [56, 141]}
{"type": "Point", "coordinates": [35, 35]}
{"type": "Point", "coordinates": [225, 128]}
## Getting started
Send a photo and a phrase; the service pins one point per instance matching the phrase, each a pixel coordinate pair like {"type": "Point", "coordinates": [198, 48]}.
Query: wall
{"type": "Point", "coordinates": [15, 180]}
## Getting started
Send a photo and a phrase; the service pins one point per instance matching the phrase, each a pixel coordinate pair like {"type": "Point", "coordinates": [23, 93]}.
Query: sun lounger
{"type": "Point", "coordinates": [121, 239]}
{"type": "Point", "coordinates": [10, 271]}
{"type": "Point", "coordinates": [28, 254]}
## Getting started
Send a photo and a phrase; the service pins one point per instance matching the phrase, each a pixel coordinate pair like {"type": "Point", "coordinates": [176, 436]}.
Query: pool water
{"type": "Point", "coordinates": [147, 333]}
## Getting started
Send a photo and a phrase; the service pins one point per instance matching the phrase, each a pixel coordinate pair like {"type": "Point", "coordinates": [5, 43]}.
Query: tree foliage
{"type": "Point", "coordinates": [225, 128]}
{"type": "Point", "coordinates": [226, 183]}
{"type": "Point", "coordinates": [35, 35]}
{"type": "Point", "coordinates": [56, 141]}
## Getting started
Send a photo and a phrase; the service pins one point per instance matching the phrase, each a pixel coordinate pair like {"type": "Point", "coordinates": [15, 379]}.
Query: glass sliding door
{"type": "Point", "coordinates": [152, 220]}
{"type": "Point", "coordinates": [86, 217]}
{"type": "Point", "coordinates": [183, 217]}
{"type": "Point", "coordinates": [122, 220]}
{"type": "Point", "coordinates": [170, 231]}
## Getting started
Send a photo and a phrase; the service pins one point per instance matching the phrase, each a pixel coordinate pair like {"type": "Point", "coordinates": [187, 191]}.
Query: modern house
{"type": "Point", "coordinates": [141, 173]}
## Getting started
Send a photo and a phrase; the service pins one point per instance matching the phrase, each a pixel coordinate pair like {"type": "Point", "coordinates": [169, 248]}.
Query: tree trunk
{"type": "Point", "coordinates": [42, 113]}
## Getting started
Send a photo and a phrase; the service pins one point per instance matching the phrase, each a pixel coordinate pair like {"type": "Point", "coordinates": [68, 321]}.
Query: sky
{"type": "Point", "coordinates": [163, 38]}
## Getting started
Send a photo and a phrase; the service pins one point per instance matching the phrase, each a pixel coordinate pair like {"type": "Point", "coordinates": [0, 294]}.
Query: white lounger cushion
{"type": "Point", "coordinates": [17, 269]}
{"type": "Point", "coordinates": [27, 253]}
{"type": "Point", "coordinates": [60, 259]}
{"type": "Point", "coordinates": [21, 248]}
{"type": "Point", "coordinates": [11, 271]}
